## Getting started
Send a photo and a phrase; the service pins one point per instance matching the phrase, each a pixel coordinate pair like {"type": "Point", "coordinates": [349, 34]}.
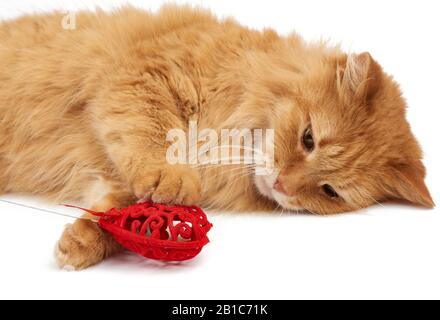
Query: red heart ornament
{"type": "Point", "coordinates": [156, 231]}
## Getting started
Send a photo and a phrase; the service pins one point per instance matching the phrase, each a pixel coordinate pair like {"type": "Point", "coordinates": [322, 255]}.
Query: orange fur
{"type": "Point", "coordinates": [81, 108]}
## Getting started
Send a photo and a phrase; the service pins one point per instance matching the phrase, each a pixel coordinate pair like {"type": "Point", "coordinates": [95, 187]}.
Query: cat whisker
{"type": "Point", "coordinates": [312, 212]}
{"type": "Point", "coordinates": [377, 202]}
{"type": "Point", "coordinates": [282, 212]}
{"type": "Point", "coordinates": [219, 174]}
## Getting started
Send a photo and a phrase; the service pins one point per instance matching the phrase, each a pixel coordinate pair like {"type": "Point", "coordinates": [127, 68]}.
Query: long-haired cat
{"type": "Point", "coordinates": [84, 115]}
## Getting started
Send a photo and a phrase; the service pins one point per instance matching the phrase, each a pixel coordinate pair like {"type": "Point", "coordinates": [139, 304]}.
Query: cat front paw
{"type": "Point", "coordinates": [82, 245]}
{"type": "Point", "coordinates": [169, 184]}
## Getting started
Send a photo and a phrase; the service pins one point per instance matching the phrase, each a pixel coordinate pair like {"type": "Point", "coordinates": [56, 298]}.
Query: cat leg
{"type": "Point", "coordinates": [84, 243]}
{"type": "Point", "coordinates": [169, 184]}
{"type": "Point", "coordinates": [132, 123]}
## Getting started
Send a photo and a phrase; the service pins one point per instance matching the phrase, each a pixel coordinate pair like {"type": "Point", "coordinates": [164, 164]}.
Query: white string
{"type": "Point", "coordinates": [42, 210]}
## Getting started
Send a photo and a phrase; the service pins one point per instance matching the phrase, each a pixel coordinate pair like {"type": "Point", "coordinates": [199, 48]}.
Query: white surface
{"type": "Point", "coordinates": [382, 252]}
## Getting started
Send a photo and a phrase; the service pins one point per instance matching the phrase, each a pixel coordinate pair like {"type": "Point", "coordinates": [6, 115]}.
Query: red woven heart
{"type": "Point", "coordinates": [156, 231]}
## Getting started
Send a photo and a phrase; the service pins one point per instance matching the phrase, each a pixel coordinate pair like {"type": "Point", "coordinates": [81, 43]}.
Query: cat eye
{"type": "Point", "coordinates": [307, 140]}
{"type": "Point", "coordinates": [329, 191]}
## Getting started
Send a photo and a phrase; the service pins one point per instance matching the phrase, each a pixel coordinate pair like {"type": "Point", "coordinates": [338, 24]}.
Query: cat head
{"type": "Point", "coordinates": [342, 141]}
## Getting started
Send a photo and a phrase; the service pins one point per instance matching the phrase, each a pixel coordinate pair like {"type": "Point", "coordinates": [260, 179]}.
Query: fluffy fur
{"type": "Point", "coordinates": [84, 114]}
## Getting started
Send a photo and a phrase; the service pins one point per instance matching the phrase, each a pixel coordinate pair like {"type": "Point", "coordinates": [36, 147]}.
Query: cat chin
{"type": "Point", "coordinates": [286, 202]}
{"type": "Point", "coordinates": [264, 185]}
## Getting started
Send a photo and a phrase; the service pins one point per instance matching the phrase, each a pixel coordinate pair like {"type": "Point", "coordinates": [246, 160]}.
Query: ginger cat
{"type": "Point", "coordinates": [84, 115]}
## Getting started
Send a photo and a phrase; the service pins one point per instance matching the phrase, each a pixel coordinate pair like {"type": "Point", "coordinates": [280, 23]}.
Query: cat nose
{"type": "Point", "coordinates": [278, 186]}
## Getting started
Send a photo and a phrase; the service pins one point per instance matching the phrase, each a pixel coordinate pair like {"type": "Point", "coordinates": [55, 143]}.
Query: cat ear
{"type": "Point", "coordinates": [408, 184]}
{"type": "Point", "coordinates": [359, 77]}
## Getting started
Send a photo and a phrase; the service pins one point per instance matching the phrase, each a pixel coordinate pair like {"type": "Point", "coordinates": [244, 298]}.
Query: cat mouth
{"type": "Point", "coordinates": [265, 184]}
{"type": "Point", "coordinates": [289, 203]}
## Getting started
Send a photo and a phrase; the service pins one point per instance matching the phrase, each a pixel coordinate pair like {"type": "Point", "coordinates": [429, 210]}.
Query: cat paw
{"type": "Point", "coordinates": [169, 184]}
{"type": "Point", "coordinates": [82, 245]}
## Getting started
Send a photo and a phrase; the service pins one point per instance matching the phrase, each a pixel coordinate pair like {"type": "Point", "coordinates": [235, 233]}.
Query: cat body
{"type": "Point", "coordinates": [85, 113]}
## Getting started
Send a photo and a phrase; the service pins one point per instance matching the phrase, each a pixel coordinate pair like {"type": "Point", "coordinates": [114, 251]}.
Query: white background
{"type": "Point", "coordinates": [382, 252]}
